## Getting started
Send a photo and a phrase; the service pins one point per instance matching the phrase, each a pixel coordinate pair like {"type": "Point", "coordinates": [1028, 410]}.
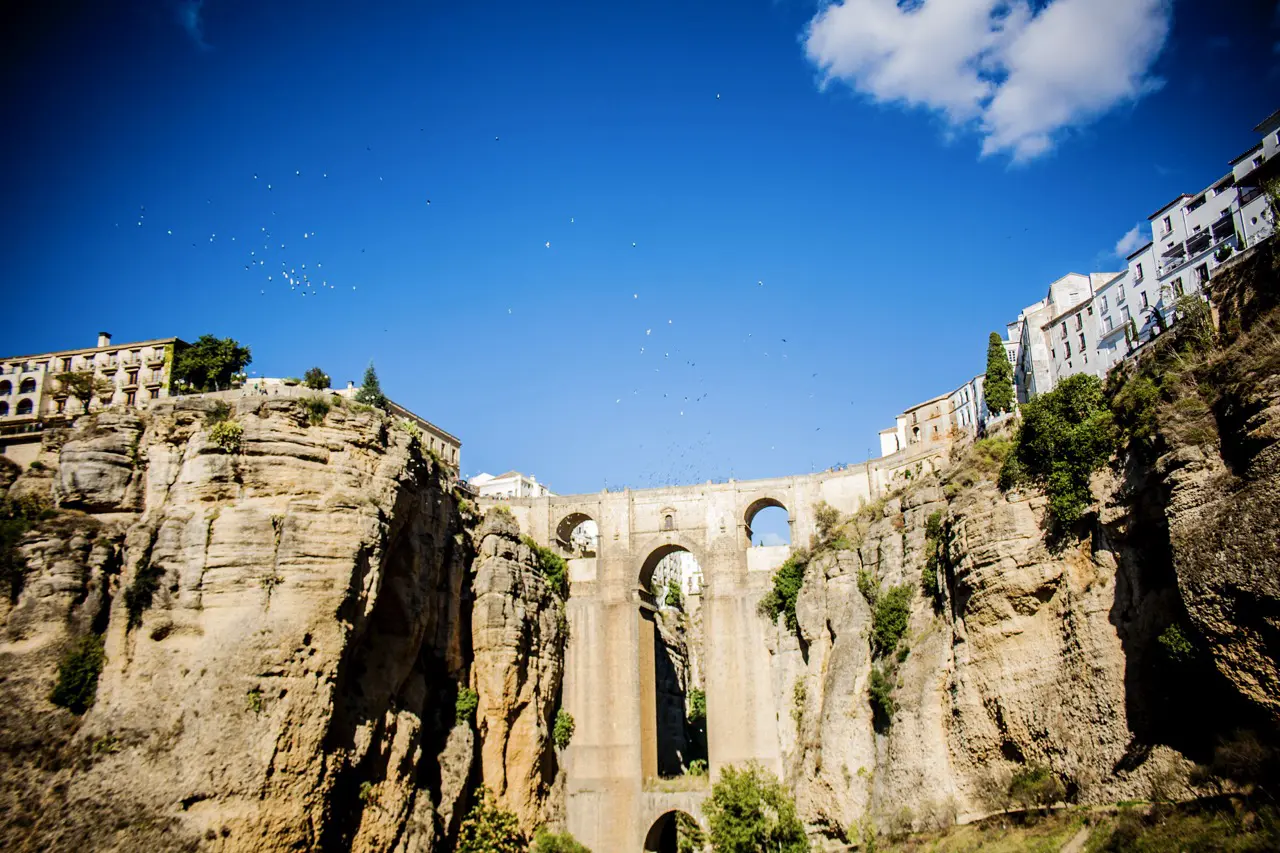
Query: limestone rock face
{"type": "Point", "coordinates": [1023, 661]}
{"type": "Point", "coordinates": [518, 633]}
{"type": "Point", "coordinates": [286, 627]}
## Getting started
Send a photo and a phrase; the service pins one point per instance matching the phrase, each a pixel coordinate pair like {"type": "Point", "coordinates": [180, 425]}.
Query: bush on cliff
{"type": "Point", "coordinates": [781, 599]}
{"type": "Point", "coordinates": [889, 619]}
{"type": "Point", "coordinates": [562, 732]}
{"type": "Point", "coordinates": [1065, 436]}
{"type": "Point", "coordinates": [547, 841]}
{"type": "Point", "coordinates": [78, 673]}
{"type": "Point", "coordinates": [750, 811]}
{"type": "Point", "coordinates": [488, 828]}
{"type": "Point", "coordinates": [464, 707]}
{"type": "Point", "coordinates": [551, 566]}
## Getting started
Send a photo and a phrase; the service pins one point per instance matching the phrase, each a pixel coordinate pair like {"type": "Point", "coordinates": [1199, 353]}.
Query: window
{"type": "Point", "coordinates": [1120, 295]}
{"type": "Point", "coordinates": [1143, 294]}
{"type": "Point", "coordinates": [60, 405]}
{"type": "Point", "coordinates": [130, 398]}
{"type": "Point", "coordinates": [1083, 345]}
{"type": "Point", "coordinates": [1104, 303]}
{"type": "Point", "coordinates": [1177, 286]}
{"type": "Point", "coordinates": [669, 522]}
{"type": "Point", "coordinates": [1107, 325]}
{"type": "Point", "coordinates": [1124, 315]}
{"type": "Point", "coordinates": [133, 377]}
{"type": "Point", "coordinates": [25, 406]}
{"type": "Point", "coordinates": [1137, 275]}
{"type": "Point", "coordinates": [4, 409]}
{"type": "Point", "coordinates": [1066, 348]}
{"type": "Point", "coordinates": [28, 385]}
{"type": "Point", "coordinates": [1064, 330]}
{"type": "Point", "coordinates": [6, 387]}
{"type": "Point", "coordinates": [1079, 322]}
{"type": "Point", "coordinates": [1202, 273]}
{"type": "Point", "coordinates": [66, 365]}
{"type": "Point", "coordinates": [1013, 357]}
{"type": "Point", "coordinates": [1168, 225]}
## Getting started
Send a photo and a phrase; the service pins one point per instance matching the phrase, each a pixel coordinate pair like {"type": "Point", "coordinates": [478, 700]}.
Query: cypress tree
{"type": "Point", "coordinates": [370, 392]}
{"type": "Point", "coordinates": [999, 383]}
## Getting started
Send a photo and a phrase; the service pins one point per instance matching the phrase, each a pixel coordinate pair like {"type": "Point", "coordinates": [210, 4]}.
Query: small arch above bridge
{"type": "Point", "coordinates": [578, 535]}
{"type": "Point", "coordinates": [760, 505]}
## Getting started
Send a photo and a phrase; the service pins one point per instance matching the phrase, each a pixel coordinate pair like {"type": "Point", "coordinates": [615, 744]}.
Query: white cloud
{"type": "Point", "coordinates": [190, 15]}
{"type": "Point", "coordinates": [1020, 76]}
{"type": "Point", "coordinates": [1132, 240]}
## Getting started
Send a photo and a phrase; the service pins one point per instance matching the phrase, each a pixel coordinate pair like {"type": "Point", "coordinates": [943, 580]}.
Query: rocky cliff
{"type": "Point", "coordinates": [1058, 657]}
{"type": "Point", "coordinates": [283, 594]}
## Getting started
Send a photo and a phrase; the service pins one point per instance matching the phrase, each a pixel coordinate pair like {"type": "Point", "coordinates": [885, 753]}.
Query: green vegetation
{"type": "Point", "coordinates": [1065, 436]}
{"type": "Point", "coordinates": [689, 836]}
{"type": "Point", "coordinates": [368, 793]}
{"type": "Point", "coordinates": [673, 596]}
{"type": "Point", "coordinates": [316, 379]}
{"type": "Point", "coordinates": [750, 811]}
{"type": "Point", "coordinates": [209, 364]}
{"type": "Point", "coordinates": [78, 673]}
{"type": "Point", "coordinates": [889, 619]}
{"type": "Point", "coordinates": [227, 435]}
{"type": "Point", "coordinates": [562, 732]}
{"type": "Point", "coordinates": [935, 552]}
{"type": "Point", "coordinates": [316, 408]}
{"type": "Point", "coordinates": [1033, 786]}
{"type": "Point", "coordinates": [488, 828]}
{"type": "Point", "coordinates": [781, 600]}
{"type": "Point", "coordinates": [1195, 828]}
{"type": "Point", "coordinates": [799, 696]}
{"type": "Point", "coordinates": [827, 519]}
{"type": "Point", "coordinates": [253, 700]}
{"type": "Point", "coordinates": [1177, 648]}
{"type": "Point", "coordinates": [16, 518]}
{"type": "Point", "coordinates": [85, 385]}
{"type": "Point", "coordinates": [867, 586]}
{"type": "Point", "coordinates": [998, 387]}
{"type": "Point", "coordinates": [464, 707]}
{"type": "Point", "coordinates": [411, 429]}
{"type": "Point", "coordinates": [546, 841]}
{"type": "Point", "coordinates": [880, 692]}
{"type": "Point", "coordinates": [370, 392]}
{"type": "Point", "coordinates": [698, 767]}
{"type": "Point", "coordinates": [550, 564]}
{"type": "Point", "coordinates": [697, 706]}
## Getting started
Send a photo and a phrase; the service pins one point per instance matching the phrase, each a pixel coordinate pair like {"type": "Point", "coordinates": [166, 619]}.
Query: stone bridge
{"type": "Point", "coordinates": [615, 801]}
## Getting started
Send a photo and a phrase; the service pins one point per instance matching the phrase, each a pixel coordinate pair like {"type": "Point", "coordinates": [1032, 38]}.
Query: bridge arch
{"type": "Point", "coordinates": [756, 507]}
{"type": "Point", "coordinates": [578, 534]}
{"type": "Point", "coordinates": [664, 834]}
{"type": "Point", "coordinates": [656, 555]}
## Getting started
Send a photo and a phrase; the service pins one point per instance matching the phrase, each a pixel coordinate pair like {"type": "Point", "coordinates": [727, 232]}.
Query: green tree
{"type": "Point", "coordinates": [998, 387]}
{"type": "Point", "coordinates": [78, 673]}
{"type": "Point", "coordinates": [370, 392]}
{"type": "Point", "coordinates": [488, 828]}
{"type": "Point", "coordinates": [889, 619]}
{"type": "Point", "coordinates": [464, 706]}
{"type": "Point", "coordinates": [208, 364]}
{"type": "Point", "coordinates": [84, 385]}
{"type": "Point", "coordinates": [562, 731]}
{"type": "Point", "coordinates": [316, 379]}
{"type": "Point", "coordinates": [749, 811]}
{"type": "Point", "coordinates": [1065, 436]}
{"type": "Point", "coordinates": [546, 841]}
{"type": "Point", "coordinates": [787, 581]}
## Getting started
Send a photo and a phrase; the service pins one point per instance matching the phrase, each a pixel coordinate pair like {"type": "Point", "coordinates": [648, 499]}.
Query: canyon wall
{"type": "Point", "coordinates": [1051, 656]}
{"type": "Point", "coordinates": [287, 620]}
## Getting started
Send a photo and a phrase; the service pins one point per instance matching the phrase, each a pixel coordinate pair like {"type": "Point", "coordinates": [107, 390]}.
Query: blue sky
{"type": "Point", "coordinates": [771, 225]}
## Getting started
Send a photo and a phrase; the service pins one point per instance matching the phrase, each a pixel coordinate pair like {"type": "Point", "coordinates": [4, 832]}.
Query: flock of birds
{"type": "Point", "coordinates": [274, 256]}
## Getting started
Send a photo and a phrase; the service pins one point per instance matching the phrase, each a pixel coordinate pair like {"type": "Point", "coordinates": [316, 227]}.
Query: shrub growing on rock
{"type": "Point", "coordinates": [889, 619]}
{"type": "Point", "coordinates": [78, 672]}
{"type": "Point", "coordinates": [546, 841]}
{"type": "Point", "coordinates": [781, 600]}
{"type": "Point", "coordinates": [1034, 786]}
{"type": "Point", "coordinates": [562, 732]}
{"type": "Point", "coordinates": [464, 707]}
{"type": "Point", "coordinates": [488, 828]}
{"type": "Point", "coordinates": [227, 435]}
{"type": "Point", "coordinates": [550, 564]}
{"type": "Point", "coordinates": [750, 811]}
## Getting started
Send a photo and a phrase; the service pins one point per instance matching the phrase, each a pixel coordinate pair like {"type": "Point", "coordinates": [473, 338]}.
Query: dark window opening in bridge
{"type": "Point", "coordinates": [673, 704]}
{"type": "Point", "coordinates": [768, 523]}
{"type": "Point", "coordinates": [578, 535]}
{"type": "Point", "coordinates": [669, 522]}
{"type": "Point", "coordinates": [675, 832]}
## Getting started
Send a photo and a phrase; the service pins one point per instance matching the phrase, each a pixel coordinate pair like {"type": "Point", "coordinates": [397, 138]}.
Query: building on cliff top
{"type": "Point", "coordinates": [939, 420]}
{"type": "Point", "coordinates": [512, 484]}
{"type": "Point", "coordinates": [31, 397]}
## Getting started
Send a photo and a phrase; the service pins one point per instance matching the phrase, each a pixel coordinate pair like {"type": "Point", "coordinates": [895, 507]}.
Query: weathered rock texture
{"type": "Point", "coordinates": [1051, 657]}
{"type": "Point", "coordinates": [286, 627]}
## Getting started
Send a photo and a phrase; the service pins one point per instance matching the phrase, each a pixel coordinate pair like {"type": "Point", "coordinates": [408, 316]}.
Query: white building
{"type": "Point", "coordinates": [1048, 340]}
{"type": "Point", "coordinates": [512, 484]}
{"type": "Point", "coordinates": [939, 420]}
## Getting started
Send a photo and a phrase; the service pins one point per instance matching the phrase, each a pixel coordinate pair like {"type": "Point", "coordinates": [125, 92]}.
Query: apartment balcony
{"type": "Point", "coordinates": [110, 368]}
{"type": "Point", "coordinates": [152, 380]}
{"type": "Point", "coordinates": [130, 381]}
{"type": "Point", "coordinates": [1171, 263]}
{"type": "Point", "coordinates": [155, 361]}
{"type": "Point", "coordinates": [130, 361]}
